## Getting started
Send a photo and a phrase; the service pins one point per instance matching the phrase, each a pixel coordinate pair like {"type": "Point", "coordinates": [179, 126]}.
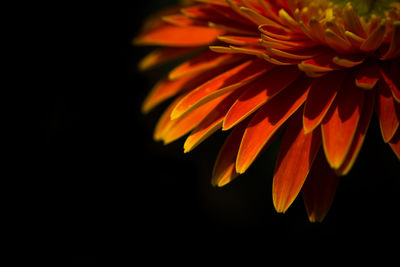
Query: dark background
{"type": "Point", "coordinates": [128, 197]}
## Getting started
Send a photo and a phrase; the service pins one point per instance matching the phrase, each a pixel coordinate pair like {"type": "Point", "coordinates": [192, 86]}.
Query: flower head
{"type": "Point", "coordinates": [320, 67]}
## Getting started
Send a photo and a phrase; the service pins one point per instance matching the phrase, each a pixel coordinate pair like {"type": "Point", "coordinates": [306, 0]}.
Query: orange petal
{"type": "Point", "coordinates": [224, 168]}
{"type": "Point", "coordinates": [389, 72]}
{"type": "Point", "coordinates": [204, 61]}
{"type": "Point", "coordinates": [374, 39]}
{"type": "Point", "coordinates": [296, 155]}
{"type": "Point", "coordinates": [259, 92]}
{"type": "Point", "coordinates": [227, 81]}
{"type": "Point", "coordinates": [322, 63]}
{"type": "Point", "coordinates": [163, 55]}
{"type": "Point", "coordinates": [394, 48]}
{"type": "Point", "coordinates": [183, 125]}
{"type": "Point", "coordinates": [365, 118]}
{"type": "Point", "coordinates": [340, 123]}
{"type": "Point", "coordinates": [368, 75]}
{"type": "Point", "coordinates": [178, 20]}
{"type": "Point", "coordinates": [348, 61]}
{"type": "Point", "coordinates": [387, 112]}
{"type": "Point", "coordinates": [166, 88]}
{"type": "Point", "coordinates": [322, 93]}
{"type": "Point", "coordinates": [319, 189]}
{"type": "Point", "coordinates": [212, 122]}
{"type": "Point", "coordinates": [171, 35]}
{"type": "Point", "coordinates": [267, 121]}
{"type": "Point", "coordinates": [395, 144]}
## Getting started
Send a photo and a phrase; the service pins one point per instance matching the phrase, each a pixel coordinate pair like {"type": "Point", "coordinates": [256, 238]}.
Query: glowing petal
{"type": "Point", "coordinates": [267, 120]}
{"type": "Point", "coordinates": [322, 93]}
{"type": "Point", "coordinates": [319, 189]}
{"type": "Point", "coordinates": [211, 123]}
{"type": "Point", "coordinates": [340, 123]}
{"type": "Point", "coordinates": [227, 81]}
{"type": "Point", "coordinates": [368, 75]}
{"type": "Point", "coordinates": [296, 155]}
{"type": "Point", "coordinates": [259, 92]}
{"type": "Point", "coordinates": [365, 118]}
{"type": "Point", "coordinates": [170, 35]}
{"type": "Point", "coordinates": [387, 112]}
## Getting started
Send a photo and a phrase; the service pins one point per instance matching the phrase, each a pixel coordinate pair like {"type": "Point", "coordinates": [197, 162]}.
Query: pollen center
{"type": "Point", "coordinates": [367, 8]}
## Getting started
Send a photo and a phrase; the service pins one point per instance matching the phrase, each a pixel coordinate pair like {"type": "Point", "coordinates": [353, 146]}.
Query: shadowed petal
{"type": "Point", "coordinates": [322, 63]}
{"type": "Point", "coordinates": [340, 123]}
{"type": "Point", "coordinates": [395, 144]}
{"type": "Point", "coordinates": [319, 189]}
{"type": "Point", "coordinates": [259, 92]}
{"type": "Point", "coordinates": [162, 55]}
{"type": "Point", "coordinates": [365, 118]}
{"type": "Point", "coordinates": [368, 75]}
{"type": "Point", "coordinates": [224, 168]}
{"type": "Point", "coordinates": [171, 35]}
{"type": "Point", "coordinates": [322, 93]}
{"type": "Point", "coordinates": [296, 155]}
{"type": "Point", "coordinates": [387, 112]}
{"type": "Point", "coordinates": [227, 81]}
{"type": "Point", "coordinates": [389, 72]}
{"type": "Point", "coordinates": [267, 120]}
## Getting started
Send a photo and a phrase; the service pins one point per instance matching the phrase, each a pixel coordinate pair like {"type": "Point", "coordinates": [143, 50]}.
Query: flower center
{"type": "Point", "coordinates": [368, 7]}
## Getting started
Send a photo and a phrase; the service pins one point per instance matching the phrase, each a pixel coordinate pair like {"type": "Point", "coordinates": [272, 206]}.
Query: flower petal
{"type": "Point", "coordinates": [212, 122]}
{"type": "Point", "coordinates": [322, 63]}
{"type": "Point", "coordinates": [163, 55]}
{"type": "Point", "coordinates": [322, 93]}
{"type": "Point", "coordinates": [227, 81]}
{"type": "Point", "coordinates": [259, 92]}
{"type": "Point", "coordinates": [387, 112]}
{"type": "Point", "coordinates": [340, 123]}
{"type": "Point", "coordinates": [204, 61]}
{"type": "Point", "coordinates": [319, 189]}
{"type": "Point", "coordinates": [267, 121]}
{"type": "Point", "coordinates": [395, 144]}
{"type": "Point", "coordinates": [171, 35]}
{"type": "Point", "coordinates": [374, 39]}
{"type": "Point", "coordinates": [368, 75]}
{"type": "Point", "coordinates": [390, 76]}
{"type": "Point", "coordinates": [224, 168]}
{"type": "Point", "coordinates": [365, 118]}
{"type": "Point", "coordinates": [296, 155]}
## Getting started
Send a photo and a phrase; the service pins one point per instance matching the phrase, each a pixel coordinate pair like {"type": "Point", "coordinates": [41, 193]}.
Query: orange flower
{"type": "Point", "coordinates": [320, 66]}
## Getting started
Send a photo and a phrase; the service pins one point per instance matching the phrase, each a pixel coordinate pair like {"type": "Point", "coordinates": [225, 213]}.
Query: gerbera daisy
{"type": "Point", "coordinates": [320, 67]}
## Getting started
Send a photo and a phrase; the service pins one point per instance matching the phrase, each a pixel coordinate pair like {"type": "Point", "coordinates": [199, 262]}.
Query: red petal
{"type": "Point", "coordinates": [322, 93]}
{"type": "Point", "coordinates": [365, 118]}
{"type": "Point", "coordinates": [227, 81]}
{"type": "Point", "coordinates": [171, 35]}
{"type": "Point", "coordinates": [387, 112]}
{"type": "Point", "coordinates": [259, 92]}
{"type": "Point", "coordinates": [224, 168]}
{"type": "Point", "coordinates": [296, 155]}
{"type": "Point", "coordinates": [395, 144]}
{"type": "Point", "coordinates": [389, 72]}
{"type": "Point", "coordinates": [267, 121]}
{"type": "Point", "coordinates": [340, 124]}
{"type": "Point", "coordinates": [204, 61]}
{"type": "Point", "coordinates": [319, 189]}
{"type": "Point", "coordinates": [368, 75]}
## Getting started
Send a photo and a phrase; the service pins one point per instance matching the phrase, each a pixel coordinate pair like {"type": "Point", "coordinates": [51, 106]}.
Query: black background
{"type": "Point", "coordinates": [128, 197]}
